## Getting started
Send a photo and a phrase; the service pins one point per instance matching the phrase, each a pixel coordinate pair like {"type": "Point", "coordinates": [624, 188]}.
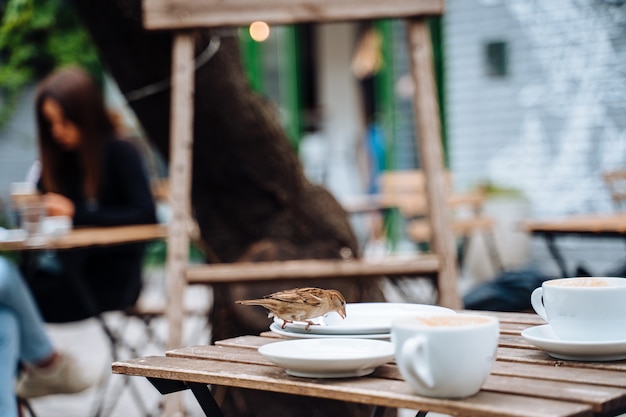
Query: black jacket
{"type": "Point", "coordinates": [111, 275]}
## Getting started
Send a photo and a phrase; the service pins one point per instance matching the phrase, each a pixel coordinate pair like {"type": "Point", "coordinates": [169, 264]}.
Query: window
{"type": "Point", "coordinates": [496, 58]}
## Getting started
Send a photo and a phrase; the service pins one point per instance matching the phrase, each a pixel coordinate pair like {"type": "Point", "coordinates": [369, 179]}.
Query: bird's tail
{"type": "Point", "coordinates": [251, 302]}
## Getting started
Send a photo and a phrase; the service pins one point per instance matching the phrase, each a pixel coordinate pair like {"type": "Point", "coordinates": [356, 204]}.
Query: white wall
{"type": "Point", "coordinates": [555, 123]}
{"type": "Point", "coordinates": [339, 98]}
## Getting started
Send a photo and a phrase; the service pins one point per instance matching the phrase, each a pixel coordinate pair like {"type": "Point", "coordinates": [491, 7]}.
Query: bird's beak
{"type": "Point", "coordinates": [342, 312]}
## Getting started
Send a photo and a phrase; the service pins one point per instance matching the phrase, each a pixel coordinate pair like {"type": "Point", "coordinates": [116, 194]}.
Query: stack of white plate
{"type": "Point", "coordinates": [363, 321]}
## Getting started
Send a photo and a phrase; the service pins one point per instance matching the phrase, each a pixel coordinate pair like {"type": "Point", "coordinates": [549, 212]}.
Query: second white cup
{"type": "Point", "coordinates": [584, 309]}
{"type": "Point", "coordinates": [446, 356]}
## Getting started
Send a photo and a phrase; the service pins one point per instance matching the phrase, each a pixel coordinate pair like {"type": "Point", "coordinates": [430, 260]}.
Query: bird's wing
{"type": "Point", "coordinates": [308, 296]}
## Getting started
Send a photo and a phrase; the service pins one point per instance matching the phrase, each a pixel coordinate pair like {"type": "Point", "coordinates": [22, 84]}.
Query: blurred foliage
{"type": "Point", "coordinates": [156, 253]}
{"type": "Point", "coordinates": [37, 36]}
{"type": "Point", "coordinates": [494, 190]}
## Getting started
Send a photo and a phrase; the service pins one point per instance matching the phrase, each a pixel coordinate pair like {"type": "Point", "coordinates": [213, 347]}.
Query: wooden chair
{"type": "Point", "coordinates": [159, 15]}
{"type": "Point", "coordinates": [406, 189]}
{"type": "Point", "coordinates": [616, 183]}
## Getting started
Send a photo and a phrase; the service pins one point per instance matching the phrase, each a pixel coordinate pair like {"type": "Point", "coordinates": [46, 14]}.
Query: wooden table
{"type": "Point", "coordinates": [525, 381]}
{"type": "Point", "coordinates": [95, 236]}
{"type": "Point", "coordinates": [85, 237]}
{"type": "Point", "coordinates": [592, 225]}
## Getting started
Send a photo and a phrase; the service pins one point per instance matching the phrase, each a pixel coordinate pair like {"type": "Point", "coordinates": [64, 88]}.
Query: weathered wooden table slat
{"type": "Point", "coordinates": [367, 390]}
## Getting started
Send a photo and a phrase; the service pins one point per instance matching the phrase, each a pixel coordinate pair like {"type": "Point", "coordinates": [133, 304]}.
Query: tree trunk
{"type": "Point", "coordinates": [250, 197]}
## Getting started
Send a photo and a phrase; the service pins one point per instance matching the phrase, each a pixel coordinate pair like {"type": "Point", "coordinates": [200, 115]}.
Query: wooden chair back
{"type": "Point", "coordinates": [406, 189]}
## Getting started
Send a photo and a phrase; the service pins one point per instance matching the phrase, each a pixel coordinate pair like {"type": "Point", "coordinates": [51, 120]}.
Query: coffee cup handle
{"type": "Point", "coordinates": [536, 300]}
{"type": "Point", "coordinates": [414, 360]}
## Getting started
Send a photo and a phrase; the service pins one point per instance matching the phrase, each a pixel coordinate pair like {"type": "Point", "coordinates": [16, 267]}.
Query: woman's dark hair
{"type": "Point", "coordinates": [82, 102]}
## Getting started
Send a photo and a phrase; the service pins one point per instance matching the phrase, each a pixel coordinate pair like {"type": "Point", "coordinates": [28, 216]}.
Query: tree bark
{"type": "Point", "coordinates": [250, 197]}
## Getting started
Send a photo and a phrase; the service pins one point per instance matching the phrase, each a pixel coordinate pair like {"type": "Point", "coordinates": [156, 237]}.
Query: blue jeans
{"type": "Point", "coordinates": [23, 336]}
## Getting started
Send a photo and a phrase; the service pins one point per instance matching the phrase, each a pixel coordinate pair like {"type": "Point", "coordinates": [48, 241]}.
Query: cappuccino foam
{"type": "Point", "coordinates": [580, 282]}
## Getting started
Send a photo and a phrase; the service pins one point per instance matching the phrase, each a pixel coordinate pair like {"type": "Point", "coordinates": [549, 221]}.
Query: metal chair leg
{"type": "Point", "coordinates": [494, 253]}
{"type": "Point", "coordinates": [24, 404]}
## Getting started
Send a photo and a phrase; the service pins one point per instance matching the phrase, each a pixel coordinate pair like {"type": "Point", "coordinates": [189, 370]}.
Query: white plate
{"type": "Point", "coordinates": [544, 338]}
{"type": "Point", "coordinates": [275, 327]}
{"type": "Point", "coordinates": [364, 318]}
{"type": "Point", "coordinates": [329, 358]}
{"type": "Point", "coordinates": [12, 235]}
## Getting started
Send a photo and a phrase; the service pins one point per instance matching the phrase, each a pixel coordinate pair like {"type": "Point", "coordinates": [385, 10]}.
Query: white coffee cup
{"type": "Point", "coordinates": [445, 356]}
{"type": "Point", "coordinates": [585, 309]}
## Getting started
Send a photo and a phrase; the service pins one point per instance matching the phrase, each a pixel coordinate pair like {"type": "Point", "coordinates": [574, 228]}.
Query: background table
{"type": "Point", "coordinates": [524, 381]}
{"type": "Point", "coordinates": [592, 225]}
{"type": "Point", "coordinates": [86, 237]}
{"type": "Point", "coordinates": [94, 236]}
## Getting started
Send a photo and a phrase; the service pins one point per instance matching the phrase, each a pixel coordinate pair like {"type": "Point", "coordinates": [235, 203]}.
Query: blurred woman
{"type": "Point", "coordinates": [92, 175]}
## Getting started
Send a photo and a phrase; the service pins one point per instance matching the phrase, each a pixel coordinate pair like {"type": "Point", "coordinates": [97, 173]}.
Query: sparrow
{"type": "Point", "coordinates": [301, 304]}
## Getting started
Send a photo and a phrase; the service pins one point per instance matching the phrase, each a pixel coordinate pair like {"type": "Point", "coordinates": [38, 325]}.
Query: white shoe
{"type": "Point", "coordinates": [64, 376]}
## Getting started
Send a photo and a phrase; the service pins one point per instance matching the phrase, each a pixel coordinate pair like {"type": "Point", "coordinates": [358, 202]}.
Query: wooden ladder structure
{"type": "Point", "coordinates": [182, 16]}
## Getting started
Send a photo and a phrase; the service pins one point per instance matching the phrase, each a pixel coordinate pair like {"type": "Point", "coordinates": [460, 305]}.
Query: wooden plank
{"type": "Point", "coordinates": [513, 328]}
{"type": "Point", "coordinates": [506, 317]}
{"type": "Point", "coordinates": [609, 378]}
{"type": "Point", "coordinates": [601, 399]}
{"type": "Point", "coordinates": [96, 236]}
{"type": "Point", "coordinates": [583, 224]}
{"type": "Point", "coordinates": [431, 158]}
{"type": "Point", "coordinates": [539, 357]}
{"type": "Point", "coordinates": [365, 390]}
{"type": "Point", "coordinates": [421, 265]}
{"type": "Point", "coordinates": [181, 144]}
{"type": "Point", "coordinates": [179, 14]}
{"type": "Point", "coordinates": [515, 341]}
{"type": "Point", "coordinates": [221, 353]}
{"type": "Point", "coordinates": [251, 342]}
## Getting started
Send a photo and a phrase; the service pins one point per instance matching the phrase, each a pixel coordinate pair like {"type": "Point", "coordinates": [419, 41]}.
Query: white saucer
{"type": "Point", "coordinates": [364, 318]}
{"type": "Point", "coordinates": [544, 338]}
{"type": "Point", "coordinates": [329, 358]}
{"type": "Point", "coordinates": [275, 327]}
